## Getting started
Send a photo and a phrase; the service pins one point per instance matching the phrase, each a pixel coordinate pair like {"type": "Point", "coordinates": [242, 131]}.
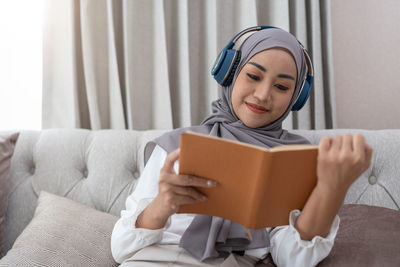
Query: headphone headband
{"type": "Point", "coordinates": [228, 59]}
{"type": "Point", "coordinates": [251, 29]}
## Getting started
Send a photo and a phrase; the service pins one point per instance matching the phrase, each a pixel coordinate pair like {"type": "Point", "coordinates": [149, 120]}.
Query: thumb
{"type": "Point", "coordinates": [170, 161]}
{"type": "Point", "coordinates": [368, 154]}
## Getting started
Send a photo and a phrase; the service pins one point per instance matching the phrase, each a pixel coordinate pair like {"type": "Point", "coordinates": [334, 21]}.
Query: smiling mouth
{"type": "Point", "coordinates": [256, 108]}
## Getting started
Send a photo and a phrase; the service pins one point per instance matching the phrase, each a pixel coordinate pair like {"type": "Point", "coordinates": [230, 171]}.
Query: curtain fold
{"type": "Point", "coordinates": [145, 64]}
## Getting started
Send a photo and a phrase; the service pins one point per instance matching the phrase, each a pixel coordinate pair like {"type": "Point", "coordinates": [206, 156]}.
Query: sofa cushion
{"type": "Point", "coordinates": [367, 236]}
{"type": "Point", "coordinates": [7, 145]}
{"type": "Point", "coordinates": [63, 233]}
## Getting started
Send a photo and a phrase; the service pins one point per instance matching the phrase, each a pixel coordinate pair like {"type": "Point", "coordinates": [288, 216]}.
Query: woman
{"type": "Point", "coordinates": [259, 90]}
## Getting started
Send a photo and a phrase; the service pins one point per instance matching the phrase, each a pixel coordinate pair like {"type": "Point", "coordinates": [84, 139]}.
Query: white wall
{"type": "Point", "coordinates": [366, 49]}
{"type": "Point", "coordinates": [20, 64]}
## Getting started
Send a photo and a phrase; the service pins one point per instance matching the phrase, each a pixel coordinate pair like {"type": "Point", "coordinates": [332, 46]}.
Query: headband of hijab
{"type": "Point", "coordinates": [217, 237]}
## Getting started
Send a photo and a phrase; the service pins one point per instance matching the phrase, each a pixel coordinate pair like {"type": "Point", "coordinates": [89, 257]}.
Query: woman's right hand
{"type": "Point", "coordinates": [174, 190]}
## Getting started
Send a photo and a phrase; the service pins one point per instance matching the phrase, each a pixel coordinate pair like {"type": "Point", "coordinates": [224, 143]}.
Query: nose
{"type": "Point", "coordinates": [263, 92]}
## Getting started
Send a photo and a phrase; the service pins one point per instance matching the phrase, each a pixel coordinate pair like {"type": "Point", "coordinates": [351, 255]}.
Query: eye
{"type": "Point", "coordinates": [281, 87]}
{"type": "Point", "coordinates": [253, 77]}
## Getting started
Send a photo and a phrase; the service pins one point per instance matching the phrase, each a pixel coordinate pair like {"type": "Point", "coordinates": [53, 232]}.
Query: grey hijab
{"type": "Point", "coordinates": [217, 237]}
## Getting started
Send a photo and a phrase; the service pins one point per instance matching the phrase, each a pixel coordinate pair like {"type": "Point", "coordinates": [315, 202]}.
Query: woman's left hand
{"type": "Point", "coordinates": [341, 160]}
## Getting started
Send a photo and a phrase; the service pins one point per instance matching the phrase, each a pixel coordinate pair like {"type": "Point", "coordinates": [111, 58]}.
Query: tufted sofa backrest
{"type": "Point", "coordinates": [101, 168]}
{"type": "Point", "coordinates": [97, 168]}
{"type": "Point", "coordinates": [380, 184]}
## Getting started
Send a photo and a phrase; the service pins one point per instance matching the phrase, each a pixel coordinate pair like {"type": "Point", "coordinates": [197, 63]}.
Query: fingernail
{"type": "Point", "coordinates": [211, 183]}
{"type": "Point", "coordinates": [203, 198]}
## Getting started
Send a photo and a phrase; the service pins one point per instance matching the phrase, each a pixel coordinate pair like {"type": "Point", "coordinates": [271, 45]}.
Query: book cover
{"type": "Point", "coordinates": [257, 187]}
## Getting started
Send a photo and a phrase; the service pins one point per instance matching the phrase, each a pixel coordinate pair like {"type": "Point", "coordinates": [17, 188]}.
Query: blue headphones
{"type": "Point", "coordinates": [228, 59]}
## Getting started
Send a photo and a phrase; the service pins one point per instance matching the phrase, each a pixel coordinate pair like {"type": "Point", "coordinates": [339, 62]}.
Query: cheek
{"type": "Point", "coordinates": [237, 92]}
{"type": "Point", "coordinates": [235, 99]}
{"type": "Point", "coordinates": [284, 103]}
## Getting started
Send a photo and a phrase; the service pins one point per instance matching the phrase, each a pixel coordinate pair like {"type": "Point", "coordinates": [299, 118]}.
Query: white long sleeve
{"type": "Point", "coordinates": [126, 239]}
{"type": "Point", "coordinates": [287, 248]}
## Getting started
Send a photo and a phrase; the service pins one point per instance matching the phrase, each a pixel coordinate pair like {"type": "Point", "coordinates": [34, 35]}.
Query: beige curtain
{"type": "Point", "coordinates": [145, 64]}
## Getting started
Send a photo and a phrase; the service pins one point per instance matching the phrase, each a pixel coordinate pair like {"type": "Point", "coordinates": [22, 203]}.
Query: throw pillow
{"type": "Point", "coordinates": [7, 145]}
{"type": "Point", "coordinates": [63, 233]}
{"type": "Point", "coordinates": [367, 236]}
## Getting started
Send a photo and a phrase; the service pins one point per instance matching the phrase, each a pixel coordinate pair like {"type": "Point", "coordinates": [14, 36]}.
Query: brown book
{"type": "Point", "coordinates": [257, 187]}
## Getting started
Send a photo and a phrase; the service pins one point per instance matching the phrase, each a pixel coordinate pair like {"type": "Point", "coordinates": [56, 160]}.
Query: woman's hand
{"type": "Point", "coordinates": [174, 190]}
{"type": "Point", "coordinates": [341, 160]}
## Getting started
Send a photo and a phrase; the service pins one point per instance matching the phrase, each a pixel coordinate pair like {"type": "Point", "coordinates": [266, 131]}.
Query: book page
{"type": "Point", "coordinates": [277, 148]}
{"type": "Point", "coordinates": [293, 147]}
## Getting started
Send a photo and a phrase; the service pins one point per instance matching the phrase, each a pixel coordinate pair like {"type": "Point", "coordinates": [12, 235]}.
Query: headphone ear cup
{"type": "Point", "coordinates": [307, 84]}
{"type": "Point", "coordinates": [226, 62]}
{"type": "Point", "coordinates": [304, 94]}
{"type": "Point", "coordinates": [231, 72]}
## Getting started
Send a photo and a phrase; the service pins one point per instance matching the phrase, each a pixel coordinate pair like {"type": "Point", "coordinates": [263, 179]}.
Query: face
{"type": "Point", "coordinates": [264, 87]}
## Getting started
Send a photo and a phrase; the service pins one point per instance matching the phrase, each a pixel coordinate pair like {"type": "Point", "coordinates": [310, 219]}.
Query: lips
{"type": "Point", "coordinates": [256, 108]}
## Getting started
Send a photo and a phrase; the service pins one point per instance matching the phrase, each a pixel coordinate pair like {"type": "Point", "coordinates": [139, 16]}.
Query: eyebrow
{"type": "Point", "coordinates": [286, 76]}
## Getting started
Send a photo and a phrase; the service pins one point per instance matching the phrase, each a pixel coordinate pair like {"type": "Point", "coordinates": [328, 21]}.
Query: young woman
{"type": "Point", "coordinates": [259, 89]}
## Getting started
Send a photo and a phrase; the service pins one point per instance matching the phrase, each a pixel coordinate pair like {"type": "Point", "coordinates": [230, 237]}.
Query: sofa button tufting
{"type": "Point", "coordinates": [372, 179]}
{"type": "Point", "coordinates": [136, 175]}
{"type": "Point", "coordinates": [32, 170]}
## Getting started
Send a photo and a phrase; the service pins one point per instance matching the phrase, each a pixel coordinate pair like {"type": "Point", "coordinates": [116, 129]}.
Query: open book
{"type": "Point", "coordinates": [257, 187]}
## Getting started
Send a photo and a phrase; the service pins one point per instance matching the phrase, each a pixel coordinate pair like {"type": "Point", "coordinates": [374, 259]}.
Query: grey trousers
{"type": "Point", "coordinates": [172, 255]}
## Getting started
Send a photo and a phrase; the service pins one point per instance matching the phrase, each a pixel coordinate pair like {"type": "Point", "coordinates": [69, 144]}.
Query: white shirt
{"type": "Point", "coordinates": [286, 246]}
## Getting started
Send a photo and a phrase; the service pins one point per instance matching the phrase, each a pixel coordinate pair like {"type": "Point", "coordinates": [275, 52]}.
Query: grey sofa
{"type": "Point", "coordinates": [101, 168]}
